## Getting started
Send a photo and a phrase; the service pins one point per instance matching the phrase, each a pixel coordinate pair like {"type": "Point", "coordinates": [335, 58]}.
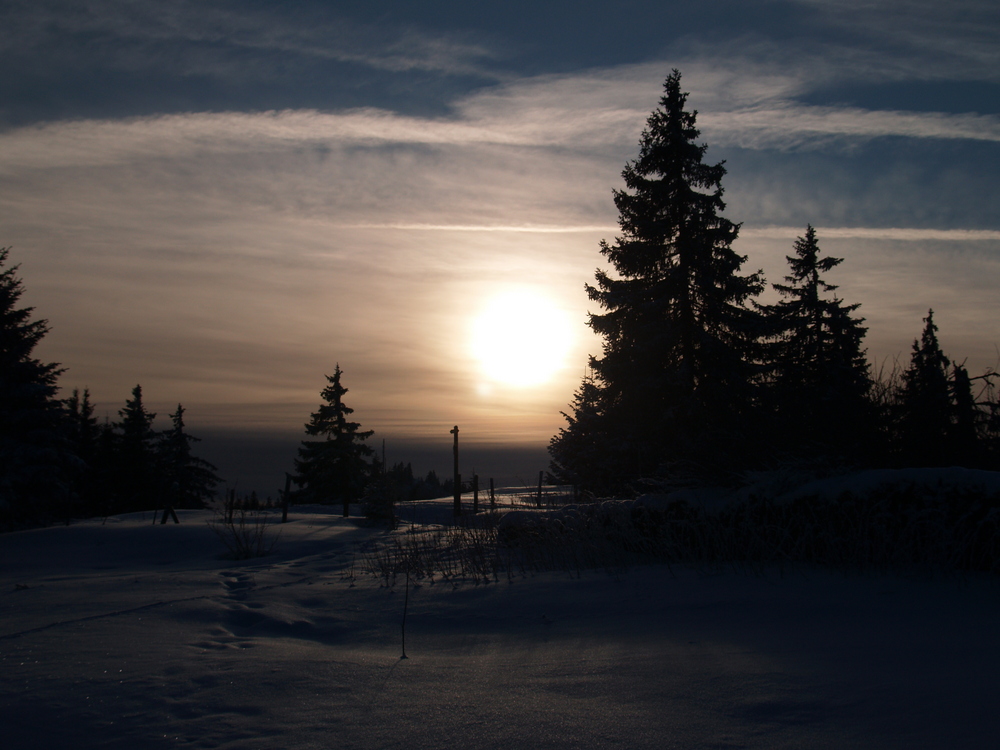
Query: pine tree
{"type": "Point", "coordinates": [84, 436]}
{"type": "Point", "coordinates": [137, 476]}
{"type": "Point", "coordinates": [335, 468]}
{"type": "Point", "coordinates": [926, 405]}
{"type": "Point", "coordinates": [35, 455]}
{"type": "Point", "coordinates": [83, 431]}
{"type": "Point", "coordinates": [676, 377]}
{"type": "Point", "coordinates": [190, 480]}
{"type": "Point", "coordinates": [819, 375]}
{"type": "Point", "coordinates": [583, 453]}
{"type": "Point", "coordinates": [967, 436]}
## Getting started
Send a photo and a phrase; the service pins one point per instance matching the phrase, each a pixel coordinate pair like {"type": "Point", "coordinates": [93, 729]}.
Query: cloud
{"type": "Point", "coordinates": [927, 39]}
{"type": "Point", "coordinates": [192, 38]}
{"type": "Point", "coordinates": [786, 125]}
{"type": "Point", "coordinates": [877, 233]}
{"type": "Point", "coordinates": [597, 112]}
{"type": "Point", "coordinates": [228, 260]}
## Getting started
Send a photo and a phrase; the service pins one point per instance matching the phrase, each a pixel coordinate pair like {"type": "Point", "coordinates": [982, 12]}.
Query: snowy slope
{"type": "Point", "coordinates": [128, 635]}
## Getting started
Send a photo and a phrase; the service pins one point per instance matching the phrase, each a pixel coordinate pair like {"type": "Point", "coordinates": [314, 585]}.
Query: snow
{"type": "Point", "coordinates": [124, 635]}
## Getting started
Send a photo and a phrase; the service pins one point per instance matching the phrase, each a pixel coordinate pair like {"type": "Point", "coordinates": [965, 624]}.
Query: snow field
{"type": "Point", "coordinates": [125, 635]}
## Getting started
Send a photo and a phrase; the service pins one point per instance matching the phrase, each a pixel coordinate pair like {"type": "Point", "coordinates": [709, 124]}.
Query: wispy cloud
{"type": "Point", "coordinates": [898, 234]}
{"type": "Point", "coordinates": [786, 125]}
{"type": "Point", "coordinates": [214, 37]}
{"type": "Point", "coordinates": [597, 112]}
{"type": "Point", "coordinates": [930, 39]}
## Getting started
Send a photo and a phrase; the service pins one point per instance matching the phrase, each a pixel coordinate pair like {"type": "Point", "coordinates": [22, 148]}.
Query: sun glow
{"type": "Point", "coordinates": [521, 338]}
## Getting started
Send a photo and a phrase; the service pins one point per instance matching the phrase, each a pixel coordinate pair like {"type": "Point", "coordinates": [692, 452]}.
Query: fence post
{"type": "Point", "coordinates": [284, 497]}
{"type": "Point", "coordinates": [493, 497]}
{"type": "Point", "coordinates": [458, 477]}
{"type": "Point", "coordinates": [475, 494]}
{"type": "Point", "coordinates": [540, 473]}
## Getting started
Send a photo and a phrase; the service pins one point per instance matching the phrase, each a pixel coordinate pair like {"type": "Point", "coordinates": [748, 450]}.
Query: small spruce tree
{"type": "Point", "coordinates": [189, 480]}
{"type": "Point", "coordinates": [335, 468]}
{"type": "Point", "coordinates": [84, 436]}
{"type": "Point", "coordinates": [925, 420]}
{"type": "Point", "coordinates": [136, 467]}
{"type": "Point", "coordinates": [818, 374]}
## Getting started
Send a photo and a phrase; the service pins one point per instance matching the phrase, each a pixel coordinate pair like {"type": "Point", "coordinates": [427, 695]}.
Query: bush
{"type": "Point", "coordinates": [244, 531]}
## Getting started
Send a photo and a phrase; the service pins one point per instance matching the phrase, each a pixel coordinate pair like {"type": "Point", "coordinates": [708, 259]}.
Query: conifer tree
{"type": "Point", "coordinates": [136, 467]}
{"type": "Point", "coordinates": [584, 453]}
{"type": "Point", "coordinates": [675, 379]}
{"type": "Point", "coordinates": [35, 455]}
{"type": "Point", "coordinates": [189, 480]}
{"type": "Point", "coordinates": [819, 375]}
{"type": "Point", "coordinates": [968, 421]}
{"type": "Point", "coordinates": [83, 431]}
{"type": "Point", "coordinates": [926, 404]}
{"type": "Point", "coordinates": [84, 437]}
{"type": "Point", "coordinates": [335, 468]}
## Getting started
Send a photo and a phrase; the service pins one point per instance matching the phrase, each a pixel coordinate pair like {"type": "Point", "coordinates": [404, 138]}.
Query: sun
{"type": "Point", "coordinates": [521, 338]}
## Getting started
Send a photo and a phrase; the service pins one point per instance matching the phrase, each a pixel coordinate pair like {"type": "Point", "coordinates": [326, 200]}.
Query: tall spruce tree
{"type": "Point", "coordinates": [36, 458]}
{"type": "Point", "coordinates": [336, 468]}
{"type": "Point", "coordinates": [819, 375]}
{"type": "Point", "coordinates": [189, 480]}
{"type": "Point", "coordinates": [675, 378]}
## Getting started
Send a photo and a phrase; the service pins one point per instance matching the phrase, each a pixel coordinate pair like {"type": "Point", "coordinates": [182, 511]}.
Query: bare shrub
{"type": "Point", "coordinates": [244, 531]}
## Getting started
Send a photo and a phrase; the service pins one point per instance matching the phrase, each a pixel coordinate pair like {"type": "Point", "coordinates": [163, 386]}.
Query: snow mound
{"type": "Point", "coordinates": [941, 483]}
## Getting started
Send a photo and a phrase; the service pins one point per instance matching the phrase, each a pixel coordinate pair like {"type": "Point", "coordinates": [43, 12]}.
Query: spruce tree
{"type": "Point", "coordinates": [584, 453]}
{"type": "Point", "coordinates": [137, 476]}
{"type": "Point", "coordinates": [967, 438]}
{"type": "Point", "coordinates": [83, 431]}
{"type": "Point", "coordinates": [189, 480]}
{"type": "Point", "coordinates": [819, 376]}
{"type": "Point", "coordinates": [35, 456]}
{"type": "Point", "coordinates": [675, 379]}
{"type": "Point", "coordinates": [926, 404]}
{"type": "Point", "coordinates": [336, 468]}
{"type": "Point", "coordinates": [84, 436]}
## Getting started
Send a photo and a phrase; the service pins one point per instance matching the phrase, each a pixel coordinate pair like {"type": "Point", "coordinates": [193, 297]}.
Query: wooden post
{"type": "Point", "coordinates": [284, 497]}
{"type": "Point", "coordinates": [458, 477]}
{"type": "Point", "coordinates": [230, 505]}
{"type": "Point", "coordinates": [493, 497]}
{"type": "Point", "coordinates": [540, 473]}
{"type": "Point", "coordinates": [475, 493]}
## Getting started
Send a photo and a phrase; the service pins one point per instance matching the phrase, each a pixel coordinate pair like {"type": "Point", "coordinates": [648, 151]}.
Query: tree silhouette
{"type": "Point", "coordinates": [819, 374]}
{"type": "Point", "coordinates": [83, 430]}
{"type": "Point", "coordinates": [583, 453]}
{"type": "Point", "coordinates": [35, 454]}
{"type": "Point", "coordinates": [926, 405]}
{"type": "Point", "coordinates": [136, 463]}
{"type": "Point", "coordinates": [335, 468]}
{"type": "Point", "coordinates": [189, 480]}
{"type": "Point", "coordinates": [85, 438]}
{"type": "Point", "coordinates": [675, 377]}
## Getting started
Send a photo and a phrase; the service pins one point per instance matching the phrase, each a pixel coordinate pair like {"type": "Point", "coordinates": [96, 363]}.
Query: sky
{"type": "Point", "coordinates": [222, 201]}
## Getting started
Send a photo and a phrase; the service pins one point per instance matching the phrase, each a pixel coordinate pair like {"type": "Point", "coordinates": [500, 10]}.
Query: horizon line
{"type": "Point", "coordinates": [767, 231]}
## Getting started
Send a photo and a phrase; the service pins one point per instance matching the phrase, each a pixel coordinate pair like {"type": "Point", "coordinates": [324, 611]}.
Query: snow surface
{"type": "Point", "coordinates": [128, 635]}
